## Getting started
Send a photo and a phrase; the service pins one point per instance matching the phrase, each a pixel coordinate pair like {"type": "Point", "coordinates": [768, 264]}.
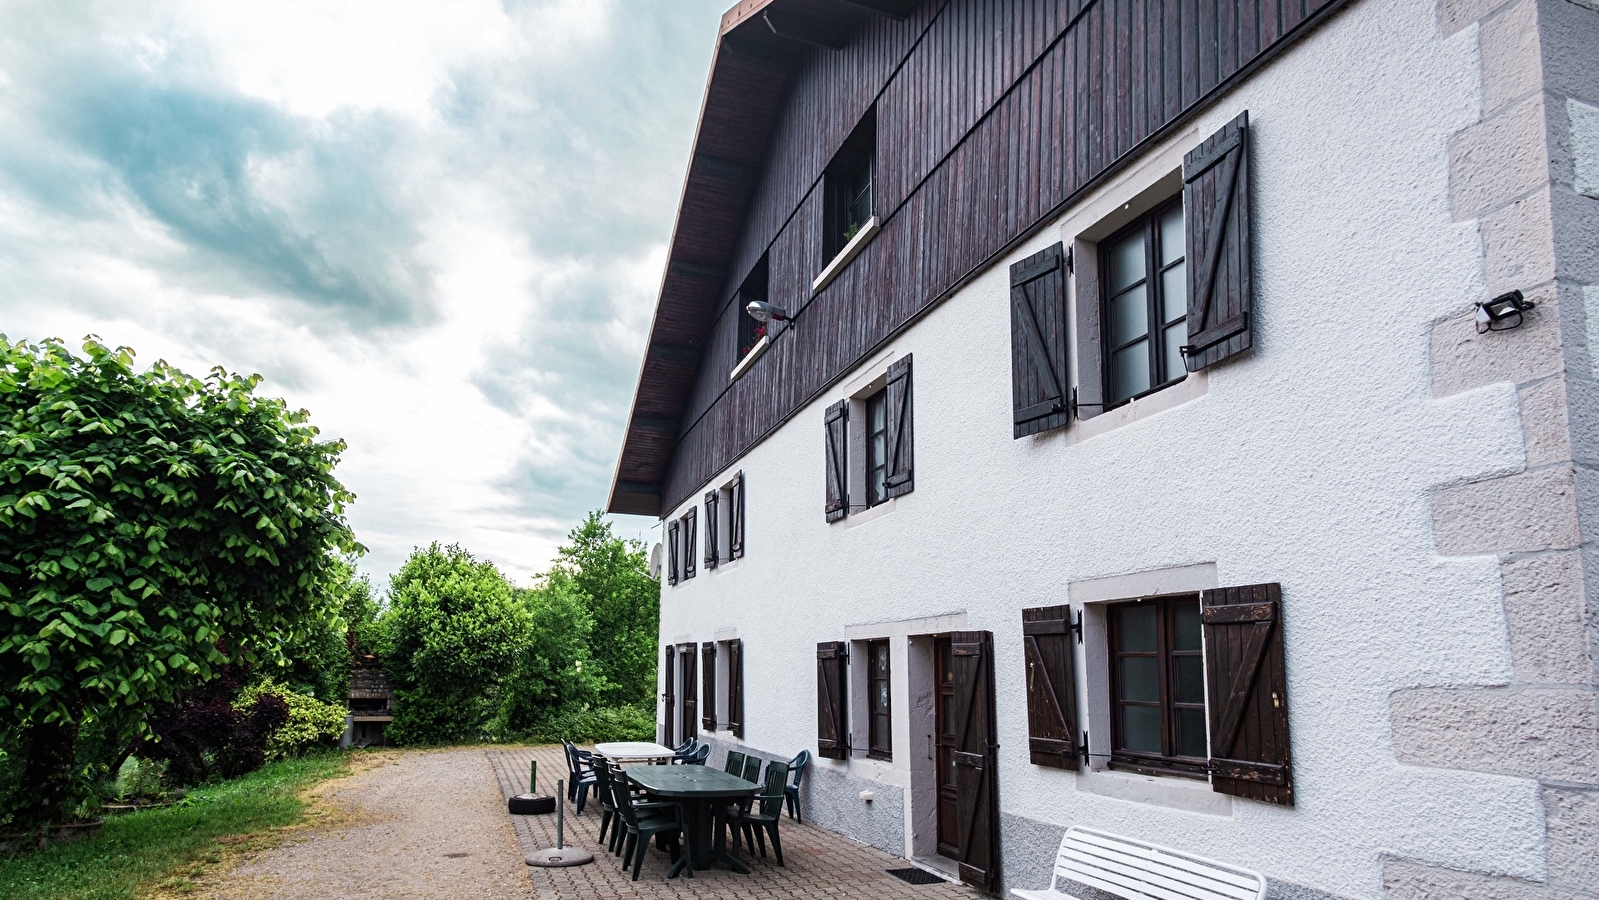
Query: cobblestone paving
{"type": "Point", "coordinates": [821, 865]}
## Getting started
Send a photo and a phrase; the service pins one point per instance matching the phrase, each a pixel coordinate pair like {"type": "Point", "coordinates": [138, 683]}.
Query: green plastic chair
{"type": "Point", "coordinates": [735, 763]}
{"type": "Point", "coordinates": [644, 819]}
{"type": "Point", "coordinates": [762, 812]}
{"type": "Point", "coordinates": [752, 769]}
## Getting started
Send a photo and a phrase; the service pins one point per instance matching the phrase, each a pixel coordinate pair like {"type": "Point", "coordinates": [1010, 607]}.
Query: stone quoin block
{"type": "Point", "coordinates": [1545, 733]}
{"type": "Point", "coordinates": [1545, 429]}
{"type": "Point", "coordinates": [1498, 159]}
{"type": "Point", "coordinates": [1462, 359]}
{"type": "Point", "coordinates": [1518, 244]}
{"type": "Point", "coordinates": [1511, 62]}
{"type": "Point", "coordinates": [1454, 15]}
{"type": "Point", "coordinates": [1406, 880]}
{"type": "Point", "coordinates": [1583, 143]}
{"type": "Point", "coordinates": [1524, 512]}
{"type": "Point", "coordinates": [1573, 823]}
{"type": "Point", "coordinates": [1546, 610]}
{"type": "Point", "coordinates": [1576, 229]}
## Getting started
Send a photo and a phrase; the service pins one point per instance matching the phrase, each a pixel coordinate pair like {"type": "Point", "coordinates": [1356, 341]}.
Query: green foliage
{"type": "Point", "coordinates": [613, 577]}
{"type": "Point", "coordinates": [555, 670]}
{"type": "Point", "coordinates": [312, 723]}
{"type": "Point", "coordinates": [453, 631]}
{"type": "Point", "coordinates": [153, 526]}
{"type": "Point", "coordinates": [317, 661]}
{"type": "Point", "coordinates": [611, 723]}
{"type": "Point", "coordinates": [136, 852]}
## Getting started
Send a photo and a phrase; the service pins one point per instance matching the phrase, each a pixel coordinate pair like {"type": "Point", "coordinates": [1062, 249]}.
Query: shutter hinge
{"type": "Point", "coordinates": [1069, 269]}
{"type": "Point", "coordinates": [1076, 404]}
{"type": "Point", "coordinates": [1082, 749]}
{"type": "Point", "coordinates": [1077, 626]}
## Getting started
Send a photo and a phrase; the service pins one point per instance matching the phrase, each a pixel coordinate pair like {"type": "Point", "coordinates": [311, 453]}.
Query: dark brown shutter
{"type": "Point", "coordinates": [708, 685]}
{"type": "Point", "coordinates": [901, 444]}
{"type": "Point", "coordinates": [671, 551]}
{"type": "Point", "coordinates": [1216, 217]}
{"type": "Point", "coordinates": [1248, 693]}
{"type": "Point", "coordinates": [735, 687]}
{"type": "Point", "coordinates": [1051, 687]}
{"type": "Point", "coordinates": [735, 524]}
{"type": "Point", "coordinates": [1040, 379]}
{"type": "Point", "coordinates": [976, 755]}
{"type": "Point", "coordinates": [691, 532]}
{"type": "Point", "coordinates": [832, 728]}
{"type": "Point", "coordinates": [669, 695]}
{"type": "Point", "coordinates": [712, 502]}
{"type": "Point", "coordinates": [836, 426]}
{"type": "Point", "coordinates": [691, 702]}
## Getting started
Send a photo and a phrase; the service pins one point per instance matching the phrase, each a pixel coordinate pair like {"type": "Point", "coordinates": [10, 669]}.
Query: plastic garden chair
{"type": "Point", "coordinates": [752, 770]}
{"type": "Point", "coordinates": [699, 756]}
{"type": "Point", "coordinates": [791, 791]}
{"type": "Point", "coordinates": [643, 819]}
{"type": "Point", "coordinates": [762, 812]}
{"type": "Point", "coordinates": [580, 766]}
{"type": "Point", "coordinates": [687, 752]}
{"type": "Point", "coordinates": [735, 763]}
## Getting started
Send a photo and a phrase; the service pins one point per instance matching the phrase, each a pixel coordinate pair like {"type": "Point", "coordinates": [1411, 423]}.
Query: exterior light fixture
{"type": "Point", "coordinates": [761, 311]}
{"type": "Point", "coordinates": [1502, 313]}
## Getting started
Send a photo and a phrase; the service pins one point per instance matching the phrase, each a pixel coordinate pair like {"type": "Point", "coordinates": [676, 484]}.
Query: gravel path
{"type": "Point", "coordinates": [420, 824]}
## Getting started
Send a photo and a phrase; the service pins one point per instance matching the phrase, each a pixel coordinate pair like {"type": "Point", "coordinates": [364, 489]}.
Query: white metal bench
{"type": "Point", "coordinates": [1139, 871]}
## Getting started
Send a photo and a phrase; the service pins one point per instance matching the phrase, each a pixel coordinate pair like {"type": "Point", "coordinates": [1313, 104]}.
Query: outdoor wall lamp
{"type": "Point", "coordinates": [761, 311]}
{"type": "Point", "coordinates": [1502, 313]}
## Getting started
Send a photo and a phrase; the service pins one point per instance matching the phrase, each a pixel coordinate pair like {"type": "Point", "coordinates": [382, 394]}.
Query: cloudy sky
{"type": "Point", "coordinates": [439, 226]}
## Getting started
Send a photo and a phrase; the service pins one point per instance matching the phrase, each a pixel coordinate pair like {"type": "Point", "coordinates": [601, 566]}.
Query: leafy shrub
{"type": "Point", "coordinates": [610, 723]}
{"type": "Point", "coordinates": [141, 781]}
{"type": "Point", "coordinates": [612, 576]}
{"type": "Point", "coordinates": [311, 722]}
{"type": "Point", "coordinates": [554, 670]}
{"type": "Point", "coordinates": [204, 734]}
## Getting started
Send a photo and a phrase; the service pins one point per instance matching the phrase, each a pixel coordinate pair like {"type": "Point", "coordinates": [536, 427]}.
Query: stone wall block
{"type": "Point", "coordinates": [1518, 244]}
{"type": "Point", "coordinates": [1575, 218]}
{"type": "Point", "coordinates": [1406, 880]}
{"type": "Point", "coordinates": [1546, 432]}
{"type": "Point", "coordinates": [1572, 818]}
{"type": "Point", "coordinates": [1462, 359]}
{"type": "Point", "coordinates": [1454, 15]}
{"type": "Point", "coordinates": [1570, 31]}
{"type": "Point", "coordinates": [1498, 159]}
{"type": "Point", "coordinates": [1546, 610]}
{"type": "Point", "coordinates": [1545, 733]}
{"type": "Point", "coordinates": [1511, 61]}
{"type": "Point", "coordinates": [1525, 512]}
{"type": "Point", "coordinates": [1578, 143]}
{"type": "Point", "coordinates": [1582, 413]}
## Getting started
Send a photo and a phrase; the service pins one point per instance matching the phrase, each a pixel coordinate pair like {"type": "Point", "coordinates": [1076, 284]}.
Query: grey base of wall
{"type": "Point", "coordinates": [831, 799]}
{"type": "Point", "coordinates": [1027, 860]}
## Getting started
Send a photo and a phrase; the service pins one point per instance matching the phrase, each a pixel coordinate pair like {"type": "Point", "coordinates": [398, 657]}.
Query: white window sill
{"type": "Point", "coordinates": [871, 512]}
{"type": "Point", "coordinates": [750, 357]}
{"type": "Point", "coordinates": [1174, 793]}
{"type": "Point", "coordinates": [725, 565]}
{"type": "Point", "coordinates": [849, 252]}
{"type": "Point", "coordinates": [1196, 385]}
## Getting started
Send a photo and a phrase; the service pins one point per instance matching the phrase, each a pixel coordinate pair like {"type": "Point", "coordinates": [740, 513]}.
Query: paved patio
{"type": "Point", "coordinates": [821, 865]}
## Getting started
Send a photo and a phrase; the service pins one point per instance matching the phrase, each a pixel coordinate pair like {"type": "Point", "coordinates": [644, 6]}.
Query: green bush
{"type": "Point", "coordinates": [611, 723]}
{"type": "Point", "coordinates": [554, 670]}
{"type": "Point", "coordinates": [311, 724]}
{"type": "Point", "coordinates": [612, 576]}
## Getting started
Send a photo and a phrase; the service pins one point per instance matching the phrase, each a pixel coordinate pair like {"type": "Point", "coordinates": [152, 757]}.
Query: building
{"type": "Point", "coordinates": [370, 700]}
{"type": "Point", "coordinates": [1126, 449]}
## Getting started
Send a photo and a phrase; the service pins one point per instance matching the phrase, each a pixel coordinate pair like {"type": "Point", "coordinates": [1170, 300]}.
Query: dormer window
{"type": "Point", "coordinates": [848, 183]}
{"type": "Point", "coordinates": [754, 288]}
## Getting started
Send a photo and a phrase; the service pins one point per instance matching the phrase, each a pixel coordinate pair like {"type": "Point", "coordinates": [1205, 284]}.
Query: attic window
{"type": "Point", "coordinates": [848, 182]}
{"type": "Point", "coordinates": [753, 288]}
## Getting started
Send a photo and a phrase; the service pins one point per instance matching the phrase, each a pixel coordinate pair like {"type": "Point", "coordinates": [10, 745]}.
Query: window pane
{"type": "Point", "coordinates": [1191, 733]}
{"type": "Point", "coordinates": [882, 695]}
{"type": "Point", "coordinates": [1174, 293]}
{"type": "Point", "coordinates": [1140, 678]}
{"type": "Point", "coordinates": [878, 411]}
{"type": "Point", "coordinates": [1174, 338]}
{"type": "Point", "coordinates": [1141, 728]}
{"type": "Point", "coordinates": [1126, 259]}
{"type": "Point", "coordinates": [1171, 234]}
{"type": "Point", "coordinates": [881, 652]}
{"type": "Point", "coordinates": [1186, 626]}
{"type": "Point", "coordinates": [1190, 680]}
{"type": "Point", "coordinates": [1129, 371]}
{"type": "Point", "coordinates": [1129, 316]}
{"type": "Point", "coordinates": [1135, 628]}
{"type": "Point", "coordinates": [879, 449]}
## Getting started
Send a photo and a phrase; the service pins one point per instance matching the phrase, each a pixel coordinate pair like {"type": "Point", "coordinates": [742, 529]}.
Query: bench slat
{"type": "Point", "coordinates": [1138, 870]}
{"type": "Point", "coordinates": [1184, 882]}
{"type": "Point", "coordinates": [1211, 869]}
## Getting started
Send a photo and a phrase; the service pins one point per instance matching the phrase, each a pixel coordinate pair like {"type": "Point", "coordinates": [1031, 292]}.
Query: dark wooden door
{"type": "Point", "coordinates": [691, 706]}
{"type": "Point", "coordinates": [944, 737]}
{"type": "Point", "coordinates": [669, 697]}
{"type": "Point", "coordinates": [976, 756]}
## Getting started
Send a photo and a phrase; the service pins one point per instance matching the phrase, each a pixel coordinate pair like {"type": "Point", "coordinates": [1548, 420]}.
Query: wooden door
{"type": "Point", "coordinates": [668, 673]}
{"type": "Point", "coordinates": [976, 757]}
{"type": "Point", "coordinates": [944, 738]}
{"type": "Point", "coordinates": [691, 706]}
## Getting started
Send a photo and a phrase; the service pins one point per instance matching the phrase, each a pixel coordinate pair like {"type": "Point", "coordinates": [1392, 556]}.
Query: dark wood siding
{"type": "Point", "coordinates": [991, 117]}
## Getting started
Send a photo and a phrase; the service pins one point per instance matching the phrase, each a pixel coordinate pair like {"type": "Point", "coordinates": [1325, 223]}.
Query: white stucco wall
{"type": "Point", "coordinates": [1308, 463]}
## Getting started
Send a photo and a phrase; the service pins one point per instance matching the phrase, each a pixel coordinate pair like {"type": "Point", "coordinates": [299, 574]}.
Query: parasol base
{"type": "Point", "coordinates": [556, 857]}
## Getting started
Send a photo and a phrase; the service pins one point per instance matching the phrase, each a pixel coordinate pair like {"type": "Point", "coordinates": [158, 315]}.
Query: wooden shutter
{"type": "Point", "coordinates": [712, 502]}
{"type": "Point", "coordinates": [976, 755]}
{"type": "Point", "coordinates": [832, 728]}
{"type": "Point", "coordinates": [671, 551]}
{"type": "Point", "coordinates": [898, 406]}
{"type": "Point", "coordinates": [1039, 376]}
{"type": "Point", "coordinates": [735, 524]}
{"type": "Point", "coordinates": [669, 695]}
{"type": "Point", "coordinates": [690, 542]}
{"type": "Point", "coordinates": [691, 702]}
{"type": "Point", "coordinates": [836, 426]}
{"type": "Point", "coordinates": [1051, 687]}
{"type": "Point", "coordinates": [1247, 692]}
{"type": "Point", "coordinates": [735, 687]}
{"type": "Point", "coordinates": [708, 685]}
{"type": "Point", "coordinates": [1216, 217]}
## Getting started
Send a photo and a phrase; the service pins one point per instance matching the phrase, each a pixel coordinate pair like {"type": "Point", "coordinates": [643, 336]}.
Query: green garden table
{"type": "Point", "coordinates": [701, 790]}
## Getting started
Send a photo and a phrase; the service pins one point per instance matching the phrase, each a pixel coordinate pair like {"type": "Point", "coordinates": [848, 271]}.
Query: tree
{"type": "Point", "coordinates": [453, 630]}
{"type": "Point", "coordinates": [317, 661]}
{"type": "Point", "coordinates": [613, 576]}
{"type": "Point", "coordinates": [153, 528]}
{"type": "Point", "coordinates": [555, 671]}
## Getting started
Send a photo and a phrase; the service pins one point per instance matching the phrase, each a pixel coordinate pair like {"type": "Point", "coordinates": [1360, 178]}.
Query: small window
{"type": "Point", "coordinates": [1157, 680]}
{"type": "Point", "coordinates": [848, 185]}
{"type": "Point", "coordinates": [754, 288]}
{"type": "Point", "coordinates": [1146, 305]}
{"type": "Point", "coordinates": [876, 454]}
{"type": "Point", "coordinates": [880, 728]}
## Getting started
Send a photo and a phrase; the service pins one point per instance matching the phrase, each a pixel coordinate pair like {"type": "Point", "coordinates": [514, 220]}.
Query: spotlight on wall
{"type": "Point", "coordinates": [1502, 313]}
{"type": "Point", "coordinates": [761, 311]}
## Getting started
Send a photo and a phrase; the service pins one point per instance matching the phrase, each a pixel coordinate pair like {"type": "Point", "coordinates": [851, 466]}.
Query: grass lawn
{"type": "Point", "coordinates": [141, 849]}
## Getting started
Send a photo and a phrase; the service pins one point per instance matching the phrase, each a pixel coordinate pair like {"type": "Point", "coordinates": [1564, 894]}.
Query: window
{"type": "Point", "coordinates": [848, 185]}
{"type": "Point", "coordinates": [688, 544]}
{"type": "Point", "coordinates": [754, 288]}
{"type": "Point", "coordinates": [880, 727]}
{"type": "Point", "coordinates": [1157, 683]}
{"type": "Point", "coordinates": [876, 454]}
{"type": "Point", "coordinates": [1146, 304]}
